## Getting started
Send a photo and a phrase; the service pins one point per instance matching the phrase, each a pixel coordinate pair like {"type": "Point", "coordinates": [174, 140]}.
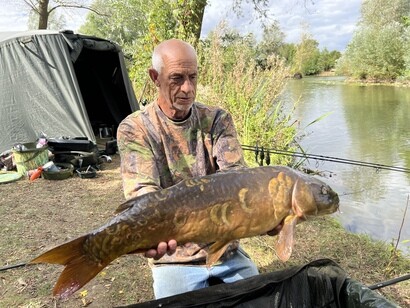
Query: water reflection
{"type": "Point", "coordinates": [366, 123]}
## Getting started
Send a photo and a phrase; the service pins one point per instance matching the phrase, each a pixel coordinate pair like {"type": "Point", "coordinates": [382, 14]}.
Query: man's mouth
{"type": "Point", "coordinates": [184, 99]}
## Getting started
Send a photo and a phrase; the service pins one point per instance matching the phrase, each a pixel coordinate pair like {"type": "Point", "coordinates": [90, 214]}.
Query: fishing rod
{"type": "Point", "coordinates": [5, 268]}
{"type": "Point", "coordinates": [388, 282]}
{"type": "Point", "coordinates": [375, 286]}
{"type": "Point", "coordinates": [263, 153]}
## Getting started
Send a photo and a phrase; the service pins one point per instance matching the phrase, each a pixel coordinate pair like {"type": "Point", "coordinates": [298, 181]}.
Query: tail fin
{"type": "Point", "coordinates": [79, 268]}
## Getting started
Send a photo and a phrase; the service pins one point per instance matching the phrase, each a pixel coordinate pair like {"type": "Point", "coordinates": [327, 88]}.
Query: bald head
{"type": "Point", "coordinates": [174, 72]}
{"type": "Point", "coordinates": [170, 49]}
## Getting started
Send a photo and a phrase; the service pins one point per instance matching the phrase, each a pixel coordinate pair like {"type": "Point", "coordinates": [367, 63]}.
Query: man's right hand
{"type": "Point", "coordinates": [162, 249]}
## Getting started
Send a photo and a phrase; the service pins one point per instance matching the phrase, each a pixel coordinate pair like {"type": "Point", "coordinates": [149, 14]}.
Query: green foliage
{"type": "Point", "coordinates": [272, 41]}
{"type": "Point", "coordinates": [231, 78]}
{"type": "Point", "coordinates": [306, 60]}
{"type": "Point", "coordinates": [379, 49]}
{"type": "Point", "coordinates": [287, 52]}
{"type": "Point", "coordinates": [138, 26]}
{"type": "Point", "coordinates": [406, 55]}
{"type": "Point", "coordinates": [376, 53]}
{"type": "Point", "coordinates": [120, 21]}
{"type": "Point", "coordinates": [189, 15]}
{"type": "Point", "coordinates": [327, 60]}
{"type": "Point", "coordinates": [380, 13]}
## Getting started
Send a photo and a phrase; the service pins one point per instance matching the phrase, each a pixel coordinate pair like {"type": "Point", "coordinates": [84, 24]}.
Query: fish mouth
{"type": "Point", "coordinates": [321, 209]}
{"type": "Point", "coordinates": [327, 201]}
{"type": "Point", "coordinates": [326, 209]}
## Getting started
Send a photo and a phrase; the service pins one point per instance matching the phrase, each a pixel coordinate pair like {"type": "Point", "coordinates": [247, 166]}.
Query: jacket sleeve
{"type": "Point", "coordinates": [138, 167]}
{"type": "Point", "coordinates": [227, 150]}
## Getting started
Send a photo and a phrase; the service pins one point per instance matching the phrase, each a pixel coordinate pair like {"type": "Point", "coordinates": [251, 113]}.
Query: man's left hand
{"type": "Point", "coordinates": [162, 249]}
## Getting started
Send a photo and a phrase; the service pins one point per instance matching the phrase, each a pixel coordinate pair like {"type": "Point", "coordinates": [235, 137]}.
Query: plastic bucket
{"type": "Point", "coordinates": [31, 158]}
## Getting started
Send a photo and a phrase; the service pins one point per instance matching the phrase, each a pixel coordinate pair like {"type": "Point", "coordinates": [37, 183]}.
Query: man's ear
{"type": "Point", "coordinates": [153, 74]}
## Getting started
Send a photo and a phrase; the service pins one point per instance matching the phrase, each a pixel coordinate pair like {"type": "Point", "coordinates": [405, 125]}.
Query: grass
{"type": "Point", "coordinates": [39, 215]}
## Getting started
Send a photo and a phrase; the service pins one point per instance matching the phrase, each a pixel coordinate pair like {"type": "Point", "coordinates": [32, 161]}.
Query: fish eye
{"type": "Point", "coordinates": [325, 191]}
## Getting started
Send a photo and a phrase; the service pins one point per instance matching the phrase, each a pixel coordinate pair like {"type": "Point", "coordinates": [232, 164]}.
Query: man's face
{"type": "Point", "coordinates": [177, 84]}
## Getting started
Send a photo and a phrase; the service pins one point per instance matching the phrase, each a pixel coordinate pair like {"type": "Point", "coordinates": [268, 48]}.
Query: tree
{"type": "Point", "coordinates": [306, 56]}
{"type": "Point", "coordinates": [128, 21]}
{"type": "Point", "coordinates": [187, 14]}
{"type": "Point", "coordinates": [55, 21]}
{"type": "Point", "coordinates": [271, 43]}
{"type": "Point", "coordinates": [380, 47]}
{"type": "Point", "coordinates": [406, 56]}
{"type": "Point", "coordinates": [152, 22]}
{"type": "Point", "coordinates": [327, 59]}
{"type": "Point", "coordinates": [288, 51]}
{"type": "Point", "coordinates": [43, 8]}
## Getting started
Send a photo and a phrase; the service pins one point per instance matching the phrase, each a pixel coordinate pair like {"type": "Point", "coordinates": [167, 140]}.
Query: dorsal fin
{"type": "Point", "coordinates": [125, 206]}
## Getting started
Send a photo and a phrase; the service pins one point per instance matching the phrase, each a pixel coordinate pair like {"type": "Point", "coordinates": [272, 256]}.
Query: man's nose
{"type": "Point", "coordinates": [187, 86]}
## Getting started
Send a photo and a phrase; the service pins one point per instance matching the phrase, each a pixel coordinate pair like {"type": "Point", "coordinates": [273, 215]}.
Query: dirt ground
{"type": "Point", "coordinates": [38, 215]}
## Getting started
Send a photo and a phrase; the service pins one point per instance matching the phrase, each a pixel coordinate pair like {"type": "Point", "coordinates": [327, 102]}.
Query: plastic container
{"type": "Point", "coordinates": [50, 166]}
{"type": "Point", "coordinates": [86, 172]}
{"type": "Point", "coordinates": [29, 157]}
{"type": "Point", "coordinates": [64, 172]}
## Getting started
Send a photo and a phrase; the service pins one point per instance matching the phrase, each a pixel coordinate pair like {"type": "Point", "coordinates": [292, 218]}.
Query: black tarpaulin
{"type": "Point", "coordinates": [321, 283]}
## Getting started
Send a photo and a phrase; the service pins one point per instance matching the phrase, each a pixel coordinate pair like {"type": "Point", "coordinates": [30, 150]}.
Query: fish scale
{"type": "Point", "coordinates": [213, 209]}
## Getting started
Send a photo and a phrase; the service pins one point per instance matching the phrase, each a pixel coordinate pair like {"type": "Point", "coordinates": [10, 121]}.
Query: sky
{"type": "Point", "coordinates": [330, 22]}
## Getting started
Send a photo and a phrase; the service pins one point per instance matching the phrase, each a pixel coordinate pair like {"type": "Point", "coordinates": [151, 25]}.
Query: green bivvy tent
{"type": "Point", "coordinates": [62, 84]}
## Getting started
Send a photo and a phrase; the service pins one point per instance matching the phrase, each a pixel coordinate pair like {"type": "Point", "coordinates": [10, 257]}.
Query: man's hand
{"type": "Point", "coordinates": [162, 249]}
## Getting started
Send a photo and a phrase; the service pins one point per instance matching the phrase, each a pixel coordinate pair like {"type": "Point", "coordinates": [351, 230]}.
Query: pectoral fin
{"type": "Point", "coordinates": [215, 252]}
{"type": "Point", "coordinates": [284, 245]}
{"type": "Point", "coordinates": [124, 206]}
{"type": "Point", "coordinates": [303, 200]}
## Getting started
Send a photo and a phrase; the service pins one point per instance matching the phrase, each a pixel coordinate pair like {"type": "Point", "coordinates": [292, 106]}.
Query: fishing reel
{"type": "Point", "coordinates": [261, 156]}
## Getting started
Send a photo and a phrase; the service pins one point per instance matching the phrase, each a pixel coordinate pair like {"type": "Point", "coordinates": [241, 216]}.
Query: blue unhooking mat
{"type": "Point", "coordinates": [321, 283]}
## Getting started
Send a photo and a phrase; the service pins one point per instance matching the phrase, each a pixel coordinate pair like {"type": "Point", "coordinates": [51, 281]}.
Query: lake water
{"type": "Point", "coordinates": [366, 123]}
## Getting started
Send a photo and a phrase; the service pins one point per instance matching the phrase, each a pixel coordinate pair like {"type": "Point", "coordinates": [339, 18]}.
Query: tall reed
{"type": "Point", "coordinates": [231, 78]}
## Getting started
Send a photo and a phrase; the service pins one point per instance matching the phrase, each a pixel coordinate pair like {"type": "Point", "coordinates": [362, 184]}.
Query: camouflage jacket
{"type": "Point", "coordinates": [157, 152]}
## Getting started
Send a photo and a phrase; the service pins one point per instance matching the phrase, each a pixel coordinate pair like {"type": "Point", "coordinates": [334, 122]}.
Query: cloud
{"type": "Point", "coordinates": [13, 20]}
{"type": "Point", "coordinates": [330, 22]}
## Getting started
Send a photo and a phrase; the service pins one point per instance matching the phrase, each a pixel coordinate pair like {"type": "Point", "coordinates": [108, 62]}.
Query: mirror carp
{"type": "Point", "coordinates": [214, 209]}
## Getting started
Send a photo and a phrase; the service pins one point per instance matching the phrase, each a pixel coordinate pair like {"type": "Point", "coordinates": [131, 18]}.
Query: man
{"type": "Point", "coordinates": [172, 139]}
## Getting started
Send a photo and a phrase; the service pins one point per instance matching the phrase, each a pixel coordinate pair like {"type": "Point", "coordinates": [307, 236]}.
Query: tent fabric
{"type": "Point", "coordinates": [62, 84]}
{"type": "Point", "coordinates": [321, 283]}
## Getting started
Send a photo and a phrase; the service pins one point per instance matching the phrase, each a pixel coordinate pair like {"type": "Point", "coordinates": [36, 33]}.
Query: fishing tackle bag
{"type": "Point", "coordinates": [321, 283]}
